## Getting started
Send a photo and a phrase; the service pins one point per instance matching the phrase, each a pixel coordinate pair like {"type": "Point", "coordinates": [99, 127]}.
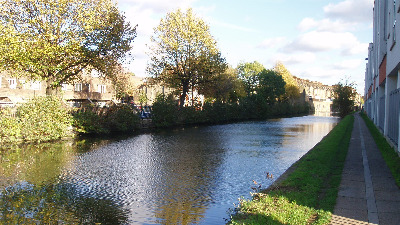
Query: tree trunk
{"type": "Point", "coordinates": [50, 89]}
{"type": "Point", "coordinates": [185, 89]}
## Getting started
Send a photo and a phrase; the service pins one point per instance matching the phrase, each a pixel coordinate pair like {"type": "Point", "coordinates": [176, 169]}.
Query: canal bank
{"type": "Point", "coordinates": [364, 192]}
{"type": "Point", "coordinates": [306, 193]}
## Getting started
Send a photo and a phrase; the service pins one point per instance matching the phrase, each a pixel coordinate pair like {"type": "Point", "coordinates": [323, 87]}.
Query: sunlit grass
{"type": "Point", "coordinates": [308, 194]}
{"type": "Point", "coordinates": [390, 156]}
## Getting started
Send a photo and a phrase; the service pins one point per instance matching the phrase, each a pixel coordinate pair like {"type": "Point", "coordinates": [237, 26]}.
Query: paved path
{"type": "Point", "coordinates": [368, 193]}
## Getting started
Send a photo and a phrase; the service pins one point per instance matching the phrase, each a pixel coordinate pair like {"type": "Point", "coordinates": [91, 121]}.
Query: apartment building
{"type": "Point", "coordinates": [382, 81]}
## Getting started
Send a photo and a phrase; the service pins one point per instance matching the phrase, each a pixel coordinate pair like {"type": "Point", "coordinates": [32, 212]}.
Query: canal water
{"type": "Point", "coordinates": [184, 176]}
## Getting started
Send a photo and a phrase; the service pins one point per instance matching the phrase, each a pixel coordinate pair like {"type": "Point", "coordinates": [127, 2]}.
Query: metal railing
{"type": "Point", "coordinates": [381, 115]}
{"type": "Point", "coordinates": [393, 120]}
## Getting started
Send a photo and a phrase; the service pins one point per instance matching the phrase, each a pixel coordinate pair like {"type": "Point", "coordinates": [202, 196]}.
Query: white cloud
{"type": "Point", "coordinates": [291, 59]}
{"type": "Point", "coordinates": [272, 42]}
{"type": "Point", "coordinates": [316, 41]}
{"type": "Point", "coordinates": [325, 25]}
{"type": "Point", "coordinates": [348, 64]}
{"type": "Point", "coordinates": [351, 10]}
{"type": "Point", "coordinates": [356, 49]}
{"type": "Point", "coordinates": [234, 26]}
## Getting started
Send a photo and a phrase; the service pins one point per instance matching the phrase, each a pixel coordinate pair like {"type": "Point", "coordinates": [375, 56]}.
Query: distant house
{"type": "Point", "coordinates": [18, 90]}
{"type": "Point", "coordinates": [382, 75]}
{"type": "Point", "coordinates": [91, 89]}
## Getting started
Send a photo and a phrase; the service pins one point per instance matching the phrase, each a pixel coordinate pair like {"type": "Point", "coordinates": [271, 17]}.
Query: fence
{"type": "Point", "coordinates": [381, 115]}
{"type": "Point", "coordinates": [393, 123]}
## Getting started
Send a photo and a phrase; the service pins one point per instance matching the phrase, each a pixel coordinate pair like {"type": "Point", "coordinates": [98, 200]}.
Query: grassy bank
{"type": "Point", "coordinates": [389, 154]}
{"type": "Point", "coordinates": [308, 194]}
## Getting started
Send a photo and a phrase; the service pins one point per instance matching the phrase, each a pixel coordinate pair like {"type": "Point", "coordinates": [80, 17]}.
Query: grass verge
{"type": "Point", "coordinates": [390, 156]}
{"type": "Point", "coordinates": [308, 194]}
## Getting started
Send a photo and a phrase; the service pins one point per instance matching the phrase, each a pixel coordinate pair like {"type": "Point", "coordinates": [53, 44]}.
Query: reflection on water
{"type": "Point", "coordinates": [185, 176]}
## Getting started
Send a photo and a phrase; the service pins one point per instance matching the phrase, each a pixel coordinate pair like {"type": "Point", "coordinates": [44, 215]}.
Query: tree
{"type": "Point", "coordinates": [248, 74]}
{"type": "Point", "coordinates": [123, 84]}
{"type": "Point", "coordinates": [184, 55]}
{"type": "Point", "coordinates": [270, 86]}
{"type": "Point", "coordinates": [344, 95]}
{"type": "Point", "coordinates": [54, 40]}
{"type": "Point", "coordinates": [292, 90]}
{"type": "Point", "coordinates": [225, 87]}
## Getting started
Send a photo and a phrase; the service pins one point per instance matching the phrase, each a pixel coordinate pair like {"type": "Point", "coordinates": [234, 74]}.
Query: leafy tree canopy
{"type": "Point", "coordinates": [292, 90]}
{"type": "Point", "coordinates": [271, 85]}
{"type": "Point", "coordinates": [184, 55]}
{"type": "Point", "coordinates": [225, 87]}
{"type": "Point", "coordinates": [344, 98]}
{"type": "Point", "coordinates": [285, 73]}
{"type": "Point", "coordinates": [248, 73]}
{"type": "Point", "coordinates": [54, 40]}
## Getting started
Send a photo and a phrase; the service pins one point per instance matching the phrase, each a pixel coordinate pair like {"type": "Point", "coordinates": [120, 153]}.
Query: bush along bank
{"type": "Point", "coordinates": [41, 119]}
{"type": "Point", "coordinates": [114, 119]}
{"type": "Point", "coordinates": [48, 118]}
{"type": "Point", "coordinates": [308, 194]}
{"type": "Point", "coordinates": [166, 112]}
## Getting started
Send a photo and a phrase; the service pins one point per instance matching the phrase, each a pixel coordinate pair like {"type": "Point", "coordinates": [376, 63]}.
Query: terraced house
{"type": "Point", "coordinates": [91, 88]}
{"type": "Point", "coordinates": [382, 76]}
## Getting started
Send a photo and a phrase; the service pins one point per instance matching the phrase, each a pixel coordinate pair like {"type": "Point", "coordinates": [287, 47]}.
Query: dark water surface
{"type": "Point", "coordinates": [184, 176]}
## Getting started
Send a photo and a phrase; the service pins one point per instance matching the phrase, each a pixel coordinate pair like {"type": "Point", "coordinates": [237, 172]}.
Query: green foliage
{"type": "Point", "coordinates": [184, 54]}
{"type": "Point", "coordinates": [292, 90]}
{"type": "Point", "coordinates": [40, 119]}
{"type": "Point", "coordinates": [344, 95]}
{"type": "Point", "coordinates": [224, 87]}
{"type": "Point", "coordinates": [143, 99]}
{"type": "Point", "coordinates": [44, 119]}
{"type": "Point", "coordinates": [115, 119]}
{"type": "Point", "coordinates": [164, 111]}
{"type": "Point", "coordinates": [10, 129]}
{"type": "Point", "coordinates": [88, 121]}
{"type": "Point", "coordinates": [308, 194]}
{"type": "Point", "coordinates": [270, 86]}
{"type": "Point", "coordinates": [121, 118]}
{"type": "Point", "coordinates": [248, 72]}
{"type": "Point", "coordinates": [285, 73]}
{"type": "Point", "coordinates": [55, 40]}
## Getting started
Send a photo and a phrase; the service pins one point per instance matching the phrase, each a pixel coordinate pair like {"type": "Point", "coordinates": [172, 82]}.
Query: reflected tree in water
{"type": "Point", "coordinates": [25, 203]}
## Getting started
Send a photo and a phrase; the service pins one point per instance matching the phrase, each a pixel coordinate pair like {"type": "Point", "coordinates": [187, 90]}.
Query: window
{"type": "Point", "coordinates": [36, 85]}
{"type": "Point", "coordinates": [398, 7]}
{"type": "Point", "coordinates": [88, 87]}
{"type": "Point", "coordinates": [64, 87]}
{"type": "Point", "coordinates": [394, 25]}
{"type": "Point", "coordinates": [95, 73]}
{"type": "Point", "coordinates": [101, 88]}
{"type": "Point", "coordinates": [78, 87]}
{"type": "Point", "coordinates": [12, 83]}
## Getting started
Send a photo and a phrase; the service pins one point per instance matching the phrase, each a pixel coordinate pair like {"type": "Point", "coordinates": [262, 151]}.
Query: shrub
{"type": "Point", "coordinates": [164, 111]}
{"type": "Point", "coordinates": [10, 129]}
{"type": "Point", "coordinates": [88, 121]}
{"type": "Point", "coordinates": [44, 119]}
{"type": "Point", "coordinates": [121, 118]}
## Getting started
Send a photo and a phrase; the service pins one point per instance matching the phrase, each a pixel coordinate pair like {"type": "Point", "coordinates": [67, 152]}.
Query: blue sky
{"type": "Point", "coordinates": [319, 40]}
